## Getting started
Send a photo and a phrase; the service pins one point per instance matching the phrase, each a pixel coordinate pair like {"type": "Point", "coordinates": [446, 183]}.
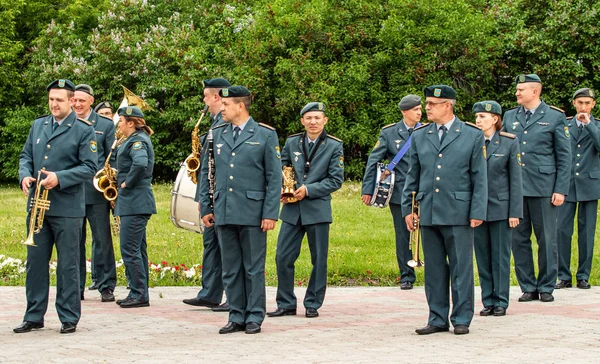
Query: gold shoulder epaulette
{"type": "Point", "coordinates": [219, 126]}
{"type": "Point", "coordinates": [512, 108]}
{"type": "Point", "coordinates": [508, 135]}
{"type": "Point", "coordinates": [104, 117]}
{"type": "Point", "coordinates": [557, 109]}
{"type": "Point", "coordinates": [334, 138]}
{"type": "Point", "coordinates": [472, 125]}
{"type": "Point", "coordinates": [266, 126]}
{"type": "Point", "coordinates": [295, 135]}
{"type": "Point", "coordinates": [570, 117]}
{"type": "Point", "coordinates": [42, 116]}
{"type": "Point", "coordinates": [388, 126]}
{"type": "Point", "coordinates": [85, 121]}
{"type": "Point", "coordinates": [422, 126]}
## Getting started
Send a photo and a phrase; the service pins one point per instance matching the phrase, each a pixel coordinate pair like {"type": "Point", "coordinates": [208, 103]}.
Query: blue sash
{"type": "Point", "coordinates": [390, 167]}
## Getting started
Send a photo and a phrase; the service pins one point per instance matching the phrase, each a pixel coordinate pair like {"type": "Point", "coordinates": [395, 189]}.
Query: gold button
{"type": "Point", "coordinates": [437, 190]}
{"type": "Point", "coordinates": [577, 174]}
{"type": "Point", "coordinates": [523, 153]}
{"type": "Point", "coordinates": [579, 155]}
{"type": "Point", "coordinates": [437, 178]}
{"type": "Point", "coordinates": [577, 164]}
{"type": "Point", "coordinates": [524, 142]}
{"type": "Point", "coordinates": [522, 164]}
{"type": "Point", "coordinates": [525, 132]}
{"type": "Point", "coordinates": [43, 168]}
{"type": "Point", "coordinates": [45, 157]}
{"type": "Point", "coordinates": [48, 146]}
{"type": "Point", "coordinates": [233, 154]}
{"type": "Point", "coordinates": [439, 166]}
{"type": "Point", "coordinates": [231, 190]}
{"type": "Point", "coordinates": [231, 165]}
{"type": "Point", "coordinates": [230, 177]}
{"type": "Point", "coordinates": [578, 145]}
{"type": "Point", "coordinates": [440, 155]}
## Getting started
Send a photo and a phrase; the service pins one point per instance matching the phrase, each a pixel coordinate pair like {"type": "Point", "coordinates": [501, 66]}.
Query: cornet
{"type": "Point", "coordinates": [39, 204]}
{"type": "Point", "coordinates": [415, 235]}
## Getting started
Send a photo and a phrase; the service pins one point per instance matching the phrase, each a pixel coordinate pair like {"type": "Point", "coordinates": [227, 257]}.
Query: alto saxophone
{"type": "Point", "coordinates": [39, 204]}
{"type": "Point", "coordinates": [192, 162]}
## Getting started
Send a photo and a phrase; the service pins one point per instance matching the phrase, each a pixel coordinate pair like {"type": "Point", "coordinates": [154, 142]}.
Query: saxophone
{"type": "Point", "coordinates": [192, 162]}
{"type": "Point", "coordinates": [211, 168]}
{"type": "Point", "coordinates": [105, 180]}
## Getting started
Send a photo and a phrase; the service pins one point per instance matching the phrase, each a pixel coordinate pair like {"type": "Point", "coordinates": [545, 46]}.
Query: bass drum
{"type": "Point", "coordinates": [184, 210]}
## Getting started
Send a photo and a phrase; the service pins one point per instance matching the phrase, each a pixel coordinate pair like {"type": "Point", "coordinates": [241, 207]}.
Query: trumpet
{"type": "Point", "coordinates": [415, 235]}
{"type": "Point", "coordinates": [192, 162]}
{"type": "Point", "coordinates": [39, 204]}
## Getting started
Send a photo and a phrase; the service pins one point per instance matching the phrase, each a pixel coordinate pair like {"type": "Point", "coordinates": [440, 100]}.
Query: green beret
{"type": "Point", "coordinates": [523, 78]}
{"type": "Point", "coordinates": [104, 105]}
{"type": "Point", "coordinates": [234, 91]}
{"type": "Point", "coordinates": [409, 101]}
{"type": "Point", "coordinates": [584, 92]}
{"type": "Point", "coordinates": [130, 111]}
{"type": "Point", "coordinates": [440, 91]}
{"type": "Point", "coordinates": [487, 106]}
{"type": "Point", "coordinates": [312, 106]}
{"type": "Point", "coordinates": [85, 88]}
{"type": "Point", "coordinates": [63, 84]}
{"type": "Point", "coordinates": [218, 82]}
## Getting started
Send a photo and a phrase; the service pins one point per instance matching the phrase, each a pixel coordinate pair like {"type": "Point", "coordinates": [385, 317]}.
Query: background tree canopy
{"type": "Point", "coordinates": [359, 57]}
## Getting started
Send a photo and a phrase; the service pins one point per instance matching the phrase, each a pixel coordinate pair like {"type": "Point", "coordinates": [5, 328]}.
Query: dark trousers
{"type": "Point", "coordinates": [289, 243]}
{"type": "Point", "coordinates": [542, 215]}
{"type": "Point", "coordinates": [448, 253]}
{"type": "Point", "coordinates": [103, 254]}
{"type": "Point", "coordinates": [64, 232]}
{"type": "Point", "coordinates": [403, 249]}
{"type": "Point", "coordinates": [586, 230]}
{"type": "Point", "coordinates": [134, 251]}
{"type": "Point", "coordinates": [243, 257]}
{"type": "Point", "coordinates": [492, 251]}
{"type": "Point", "coordinates": [212, 275]}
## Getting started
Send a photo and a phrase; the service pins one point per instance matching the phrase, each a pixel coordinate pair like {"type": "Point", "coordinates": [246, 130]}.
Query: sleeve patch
{"type": "Point", "coordinates": [377, 144]}
{"type": "Point", "coordinates": [341, 162]}
{"type": "Point", "coordinates": [137, 145]}
{"type": "Point", "coordinates": [278, 152]}
{"type": "Point", "coordinates": [93, 146]}
{"type": "Point", "coordinates": [567, 133]}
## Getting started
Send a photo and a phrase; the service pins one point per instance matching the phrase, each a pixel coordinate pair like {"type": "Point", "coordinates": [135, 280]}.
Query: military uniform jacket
{"type": "Point", "coordinates": [545, 149]}
{"type": "Point", "coordinates": [391, 139]}
{"type": "Point", "coordinates": [248, 176]}
{"type": "Point", "coordinates": [451, 179]}
{"type": "Point", "coordinates": [217, 120]}
{"type": "Point", "coordinates": [135, 163]}
{"type": "Point", "coordinates": [104, 130]}
{"type": "Point", "coordinates": [585, 173]}
{"type": "Point", "coordinates": [326, 175]}
{"type": "Point", "coordinates": [70, 152]}
{"type": "Point", "coordinates": [505, 185]}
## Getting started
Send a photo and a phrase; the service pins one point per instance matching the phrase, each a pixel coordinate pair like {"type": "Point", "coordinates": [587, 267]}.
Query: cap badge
{"type": "Point", "coordinates": [225, 92]}
{"type": "Point", "coordinates": [437, 92]}
{"type": "Point", "coordinates": [129, 111]}
{"type": "Point", "coordinates": [521, 78]}
{"type": "Point", "coordinates": [488, 107]}
{"type": "Point", "coordinates": [61, 83]}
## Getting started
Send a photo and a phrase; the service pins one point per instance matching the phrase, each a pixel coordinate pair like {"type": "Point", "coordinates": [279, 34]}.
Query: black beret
{"type": "Point", "coordinates": [130, 111]}
{"type": "Point", "coordinates": [487, 106]}
{"type": "Point", "coordinates": [63, 84]}
{"type": "Point", "coordinates": [584, 92]}
{"type": "Point", "coordinates": [440, 91]}
{"type": "Point", "coordinates": [104, 105]}
{"type": "Point", "coordinates": [312, 106]}
{"type": "Point", "coordinates": [523, 78]}
{"type": "Point", "coordinates": [234, 91]}
{"type": "Point", "coordinates": [85, 88]}
{"type": "Point", "coordinates": [409, 101]}
{"type": "Point", "coordinates": [218, 82]}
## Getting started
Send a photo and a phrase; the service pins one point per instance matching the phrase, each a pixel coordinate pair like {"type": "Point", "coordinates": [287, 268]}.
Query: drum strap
{"type": "Point", "coordinates": [390, 167]}
{"type": "Point", "coordinates": [314, 150]}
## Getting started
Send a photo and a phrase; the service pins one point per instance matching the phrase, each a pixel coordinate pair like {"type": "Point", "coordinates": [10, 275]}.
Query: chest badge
{"type": "Point", "coordinates": [219, 148]}
{"type": "Point", "coordinates": [297, 154]}
{"type": "Point", "coordinates": [37, 141]}
{"type": "Point", "coordinates": [398, 141]}
{"type": "Point", "coordinates": [515, 125]}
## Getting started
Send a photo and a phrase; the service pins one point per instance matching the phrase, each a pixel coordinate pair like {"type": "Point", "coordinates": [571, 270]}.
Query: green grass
{"type": "Point", "coordinates": [361, 247]}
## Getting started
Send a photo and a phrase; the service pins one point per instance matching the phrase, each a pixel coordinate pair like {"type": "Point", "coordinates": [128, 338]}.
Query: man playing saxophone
{"type": "Point", "coordinates": [64, 149]}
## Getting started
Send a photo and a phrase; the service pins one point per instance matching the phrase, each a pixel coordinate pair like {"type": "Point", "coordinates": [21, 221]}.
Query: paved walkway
{"type": "Point", "coordinates": [357, 325]}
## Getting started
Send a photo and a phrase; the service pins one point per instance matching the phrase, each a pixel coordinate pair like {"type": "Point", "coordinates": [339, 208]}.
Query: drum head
{"type": "Point", "coordinates": [184, 210]}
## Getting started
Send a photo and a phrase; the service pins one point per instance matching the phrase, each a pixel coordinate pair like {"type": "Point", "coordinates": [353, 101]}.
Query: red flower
{"type": "Point", "coordinates": [164, 264]}
{"type": "Point", "coordinates": [176, 268]}
{"type": "Point", "coordinates": [183, 265]}
{"type": "Point", "coordinates": [299, 283]}
{"type": "Point", "coordinates": [368, 271]}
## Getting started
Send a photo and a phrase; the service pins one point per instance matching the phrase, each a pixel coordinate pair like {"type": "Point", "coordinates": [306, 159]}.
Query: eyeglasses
{"type": "Point", "coordinates": [431, 103]}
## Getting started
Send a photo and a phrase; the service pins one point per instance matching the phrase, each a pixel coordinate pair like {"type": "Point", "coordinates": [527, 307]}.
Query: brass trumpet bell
{"type": "Point", "coordinates": [192, 163]}
{"type": "Point", "coordinates": [110, 193]}
{"type": "Point", "coordinates": [101, 180]}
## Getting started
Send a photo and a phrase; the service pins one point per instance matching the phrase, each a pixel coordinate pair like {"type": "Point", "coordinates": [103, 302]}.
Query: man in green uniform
{"type": "Point", "coordinates": [64, 150]}
{"type": "Point", "coordinates": [318, 164]}
{"type": "Point", "coordinates": [448, 173]}
{"type": "Point", "coordinates": [546, 160]}
{"type": "Point", "coordinates": [97, 208]}
{"type": "Point", "coordinates": [246, 205]}
{"type": "Point", "coordinates": [391, 140]}
{"type": "Point", "coordinates": [212, 281]}
{"type": "Point", "coordinates": [584, 192]}
{"type": "Point", "coordinates": [105, 109]}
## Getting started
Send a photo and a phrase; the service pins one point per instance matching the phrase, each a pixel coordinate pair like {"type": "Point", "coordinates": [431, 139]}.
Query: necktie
{"type": "Point", "coordinates": [580, 128]}
{"type": "Point", "coordinates": [310, 146]}
{"type": "Point", "coordinates": [527, 116]}
{"type": "Point", "coordinates": [410, 131]}
{"type": "Point", "coordinates": [487, 142]}
{"type": "Point", "coordinates": [236, 133]}
{"type": "Point", "coordinates": [54, 126]}
{"type": "Point", "coordinates": [443, 135]}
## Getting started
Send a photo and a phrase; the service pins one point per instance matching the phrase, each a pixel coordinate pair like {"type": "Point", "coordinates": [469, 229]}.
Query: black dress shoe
{"type": "Point", "coordinates": [199, 302]}
{"type": "Point", "coordinates": [68, 328]}
{"type": "Point", "coordinates": [583, 284]}
{"type": "Point", "coordinates": [108, 295]}
{"type": "Point", "coordinates": [133, 303]}
{"type": "Point", "coordinates": [406, 285]}
{"type": "Point", "coordinates": [284, 312]}
{"type": "Point", "coordinates": [94, 286]}
{"type": "Point", "coordinates": [312, 312]}
{"type": "Point", "coordinates": [252, 328]}
{"type": "Point", "coordinates": [82, 296]}
{"type": "Point", "coordinates": [546, 297]}
{"type": "Point", "coordinates": [487, 311]}
{"type": "Point", "coordinates": [563, 284]}
{"type": "Point", "coordinates": [430, 329]}
{"type": "Point", "coordinates": [221, 308]}
{"type": "Point", "coordinates": [123, 300]}
{"type": "Point", "coordinates": [499, 311]}
{"type": "Point", "coordinates": [232, 327]}
{"type": "Point", "coordinates": [461, 330]}
{"type": "Point", "coordinates": [27, 326]}
{"type": "Point", "coordinates": [528, 297]}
